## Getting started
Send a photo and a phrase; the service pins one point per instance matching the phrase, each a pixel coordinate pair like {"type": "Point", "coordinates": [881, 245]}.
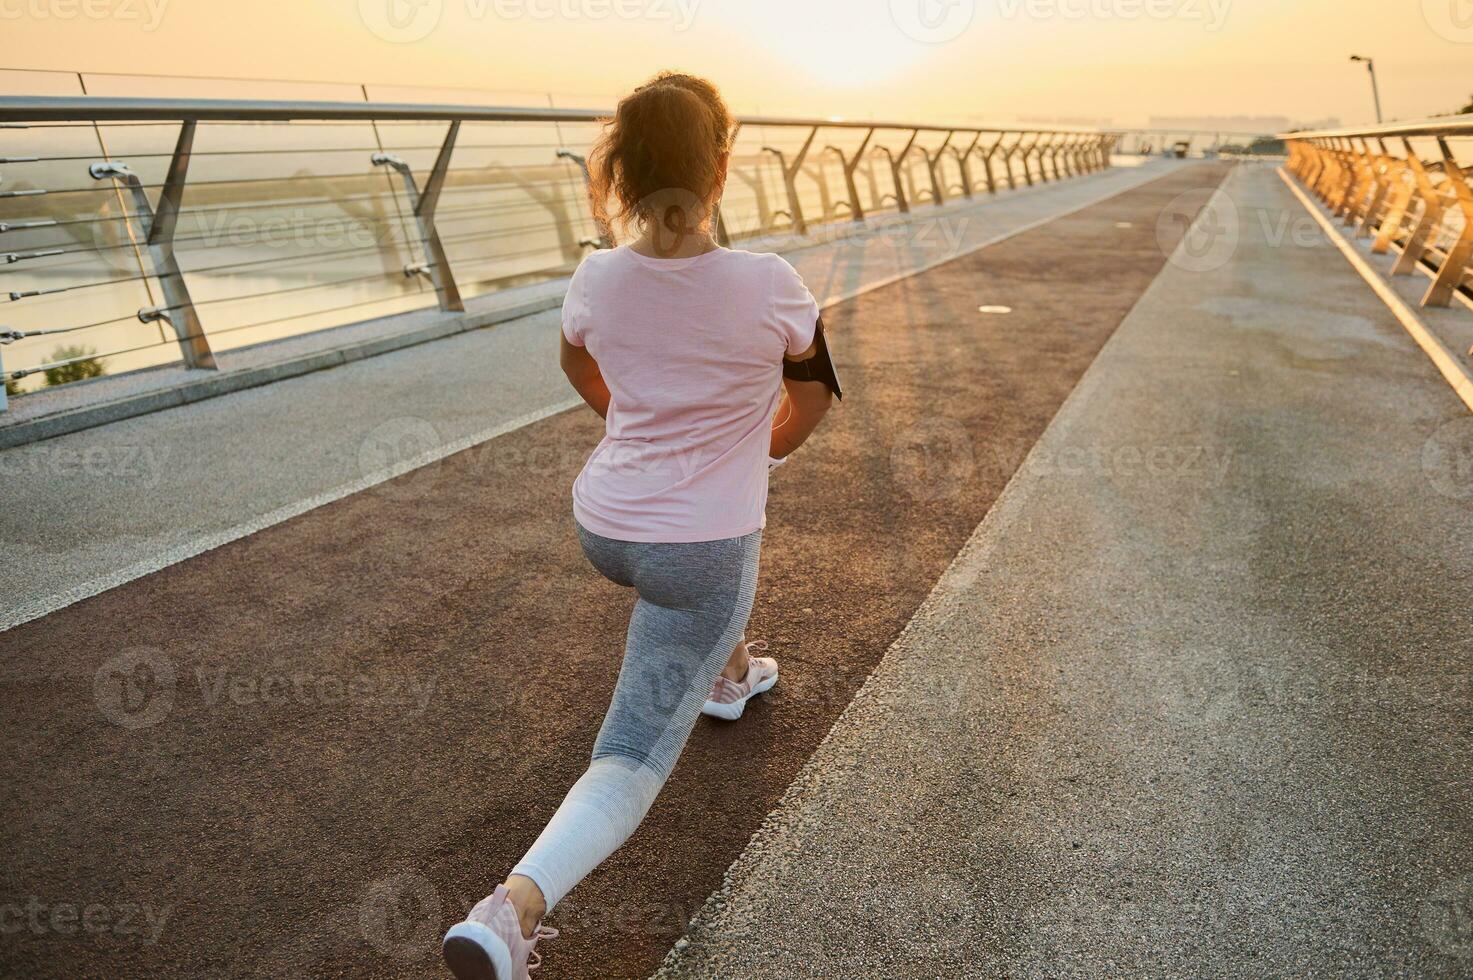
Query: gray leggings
{"type": "Point", "coordinates": [692, 608]}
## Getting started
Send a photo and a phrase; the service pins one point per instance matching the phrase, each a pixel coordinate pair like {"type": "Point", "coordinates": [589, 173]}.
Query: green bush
{"type": "Point", "coordinates": [12, 388]}
{"type": "Point", "coordinates": [77, 370]}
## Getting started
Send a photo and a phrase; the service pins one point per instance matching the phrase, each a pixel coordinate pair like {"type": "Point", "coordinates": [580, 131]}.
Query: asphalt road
{"type": "Point", "coordinates": [90, 510]}
{"type": "Point", "coordinates": [1195, 700]}
{"type": "Point", "coordinates": [307, 751]}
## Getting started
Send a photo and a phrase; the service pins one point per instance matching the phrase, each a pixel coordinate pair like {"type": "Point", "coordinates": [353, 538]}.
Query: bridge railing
{"type": "Point", "coordinates": [136, 233]}
{"type": "Point", "coordinates": [1408, 187]}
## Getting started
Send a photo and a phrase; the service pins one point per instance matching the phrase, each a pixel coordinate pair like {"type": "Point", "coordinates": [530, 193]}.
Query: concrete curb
{"type": "Point", "coordinates": [1451, 366]}
{"type": "Point", "coordinates": [213, 385]}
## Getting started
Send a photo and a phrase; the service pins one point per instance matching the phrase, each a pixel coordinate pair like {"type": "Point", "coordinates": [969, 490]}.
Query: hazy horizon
{"type": "Point", "coordinates": [1106, 61]}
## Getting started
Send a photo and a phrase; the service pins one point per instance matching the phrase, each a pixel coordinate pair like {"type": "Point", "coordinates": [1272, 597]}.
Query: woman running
{"type": "Point", "coordinates": [684, 348]}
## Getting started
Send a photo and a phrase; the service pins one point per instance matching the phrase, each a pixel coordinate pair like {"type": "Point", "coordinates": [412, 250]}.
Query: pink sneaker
{"type": "Point", "coordinates": [489, 944]}
{"type": "Point", "coordinates": [728, 699]}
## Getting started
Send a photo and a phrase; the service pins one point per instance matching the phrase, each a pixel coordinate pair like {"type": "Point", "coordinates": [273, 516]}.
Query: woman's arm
{"type": "Point", "coordinates": [804, 409]}
{"type": "Point", "coordinates": [585, 377]}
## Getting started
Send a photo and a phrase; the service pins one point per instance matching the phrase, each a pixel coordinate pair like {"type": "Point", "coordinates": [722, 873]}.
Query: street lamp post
{"type": "Point", "coordinates": [1375, 89]}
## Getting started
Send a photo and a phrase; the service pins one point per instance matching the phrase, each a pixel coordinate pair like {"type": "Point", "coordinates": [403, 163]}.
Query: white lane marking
{"type": "Point", "coordinates": [46, 605]}
{"type": "Point", "coordinates": [1457, 374]}
{"type": "Point", "coordinates": [208, 542]}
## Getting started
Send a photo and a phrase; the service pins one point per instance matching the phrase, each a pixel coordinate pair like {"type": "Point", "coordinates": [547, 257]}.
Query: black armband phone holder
{"type": "Point", "coordinates": [819, 367]}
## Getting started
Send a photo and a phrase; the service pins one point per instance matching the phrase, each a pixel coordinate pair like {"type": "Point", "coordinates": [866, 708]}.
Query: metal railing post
{"type": "Point", "coordinates": [159, 228]}
{"type": "Point", "coordinates": [790, 180]}
{"type": "Point", "coordinates": [933, 163]}
{"type": "Point", "coordinates": [1007, 161]}
{"type": "Point", "coordinates": [605, 239]}
{"type": "Point", "coordinates": [1365, 185]}
{"type": "Point", "coordinates": [1027, 152]}
{"type": "Point", "coordinates": [1455, 263]}
{"type": "Point", "coordinates": [424, 204]}
{"type": "Point", "coordinates": [1385, 172]}
{"type": "Point", "coordinates": [895, 162]}
{"type": "Point", "coordinates": [1400, 203]}
{"type": "Point", "coordinates": [1044, 154]}
{"type": "Point", "coordinates": [1350, 178]}
{"type": "Point", "coordinates": [1433, 209]}
{"type": "Point", "coordinates": [963, 163]}
{"type": "Point", "coordinates": [987, 163]}
{"type": "Point", "coordinates": [856, 210]}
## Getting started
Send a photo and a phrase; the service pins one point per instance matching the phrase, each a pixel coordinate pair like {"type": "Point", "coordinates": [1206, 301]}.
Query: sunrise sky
{"type": "Point", "coordinates": [1118, 61]}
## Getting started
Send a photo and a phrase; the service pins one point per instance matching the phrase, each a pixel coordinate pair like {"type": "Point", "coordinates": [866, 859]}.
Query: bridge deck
{"type": "Point", "coordinates": [1166, 695]}
{"type": "Point", "coordinates": [1194, 699]}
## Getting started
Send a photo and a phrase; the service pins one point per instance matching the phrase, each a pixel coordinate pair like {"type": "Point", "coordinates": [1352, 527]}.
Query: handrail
{"type": "Point", "coordinates": [1454, 126]}
{"type": "Point", "coordinates": [404, 240]}
{"type": "Point", "coordinates": [1389, 194]}
{"type": "Point", "coordinates": [50, 108]}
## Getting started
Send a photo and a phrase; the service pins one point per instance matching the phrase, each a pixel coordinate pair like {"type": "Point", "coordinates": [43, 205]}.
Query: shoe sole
{"type": "Point", "coordinates": [731, 711]}
{"type": "Point", "coordinates": [473, 952]}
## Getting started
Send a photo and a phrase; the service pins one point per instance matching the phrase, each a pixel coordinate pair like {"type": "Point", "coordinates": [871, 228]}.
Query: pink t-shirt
{"type": "Point", "coordinates": [691, 350]}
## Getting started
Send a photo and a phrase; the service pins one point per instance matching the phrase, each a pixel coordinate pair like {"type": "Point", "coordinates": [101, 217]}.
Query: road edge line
{"type": "Point", "coordinates": [1448, 363]}
{"type": "Point", "coordinates": [30, 611]}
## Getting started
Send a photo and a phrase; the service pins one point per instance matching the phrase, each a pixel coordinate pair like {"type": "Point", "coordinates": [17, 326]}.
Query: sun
{"type": "Point", "coordinates": [836, 45]}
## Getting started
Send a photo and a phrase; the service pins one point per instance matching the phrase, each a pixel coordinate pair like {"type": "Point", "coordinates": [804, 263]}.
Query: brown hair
{"type": "Point", "coordinates": [659, 158]}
